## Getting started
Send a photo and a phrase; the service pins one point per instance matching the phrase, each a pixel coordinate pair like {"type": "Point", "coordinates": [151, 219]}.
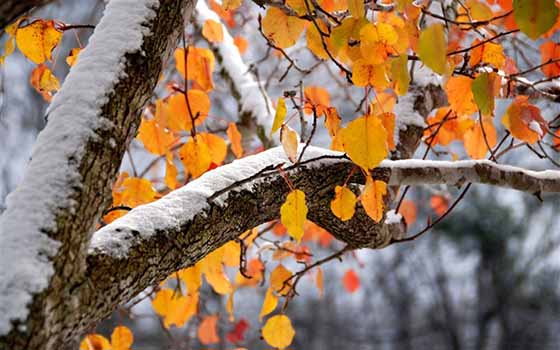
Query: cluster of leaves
{"type": "Point", "coordinates": [375, 46]}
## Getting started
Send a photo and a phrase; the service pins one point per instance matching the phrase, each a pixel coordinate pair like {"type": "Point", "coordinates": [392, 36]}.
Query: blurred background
{"type": "Point", "coordinates": [487, 277]}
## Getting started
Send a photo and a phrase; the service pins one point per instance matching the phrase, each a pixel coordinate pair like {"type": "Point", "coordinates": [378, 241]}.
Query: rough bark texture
{"type": "Point", "coordinates": [54, 321]}
{"type": "Point", "coordinates": [12, 9]}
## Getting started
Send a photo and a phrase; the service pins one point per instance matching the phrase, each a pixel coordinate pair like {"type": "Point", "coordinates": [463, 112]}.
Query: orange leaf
{"type": "Point", "coordinates": [207, 330]}
{"type": "Point", "coordinates": [408, 210]}
{"type": "Point", "coordinates": [490, 53]}
{"type": "Point", "coordinates": [200, 65]}
{"type": "Point", "coordinates": [95, 342]}
{"type": "Point", "coordinates": [241, 43]}
{"type": "Point", "coordinates": [72, 57]}
{"type": "Point", "coordinates": [195, 155]}
{"type": "Point", "coordinates": [235, 140]}
{"type": "Point", "coordinates": [316, 97]}
{"type": "Point", "coordinates": [155, 138]}
{"type": "Point", "coordinates": [121, 339]}
{"type": "Point", "coordinates": [372, 198]}
{"type": "Point", "coordinates": [374, 75]}
{"type": "Point", "coordinates": [44, 81]}
{"type": "Point", "coordinates": [175, 308]}
{"type": "Point", "coordinates": [212, 31]}
{"type": "Point", "coordinates": [269, 304]}
{"type": "Point", "coordinates": [460, 96]}
{"type": "Point", "coordinates": [351, 281]}
{"type": "Point", "coordinates": [332, 121]}
{"type": "Point", "coordinates": [439, 204]}
{"type": "Point", "coordinates": [550, 51]}
{"type": "Point", "coordinates": [524, 120]}
{"type": "Point", "coordinates": [477, 141]}
{"type": "Point", "coordinates": [279, 280]}
{"type": "Point", "coordinates": [319, 282]}
{"type": "Point", "coordinates": [180, 115]}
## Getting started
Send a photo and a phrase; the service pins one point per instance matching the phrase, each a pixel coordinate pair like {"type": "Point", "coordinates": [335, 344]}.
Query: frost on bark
{"type": "Point", "coordinates": [52, 319]}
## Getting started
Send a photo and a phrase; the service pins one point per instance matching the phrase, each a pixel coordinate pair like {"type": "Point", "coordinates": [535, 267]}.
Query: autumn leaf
{"type": "Point", "coordinates": [237, 334]}
{"type": "Point", "coordinates": [365, 73]}
{"type": "Point", "coordinates": [121, 339]}
{"type": "Point", "coordinates": [319, 282]}
{"type": "Point", "coordinates": [460, 95]}
{"type": "Point", "coordinates": [175, 309]}
{"type": "Point", "coordinates": [235, 139]}
{"type": "Point", "coordinates": [199, 66]}
{"type": "Point", "coordinates": [343, 205]}
{"type": "Point", "coordinates": [37, 40]}
{"type": "Point", "coordinates": [195, 155]}
{"type": "Point", "coordinates": [293, 213]}
{"type": "Point", "coordinates": [372, 198]}
{"type": "Point", "coordinates": [439, 204]}
{"type": "Point", "coordinates": [279, 115]}
{"type": "Point", "coordinates": [44, 81]}
{"type": "Point", "coordinates": [376, 41]}
{"type": "Point", "coordinates": [365, 141]}
{"type": "Point", "coordinates": [290, 142]}
{"type": "Point", "coordinates": [279, 280]}
{"type": "Point", "coordinates": [282, 29]}
{"type": "Point", "coordinates": [72, 57]}
{"type": "Point", "coordinates": [351, 281]}
{"type": "Point", "coordinates": [95, 342]}
{"type": "Point", "coordinates": [490, 53]}
{"type": "Point", "coordinates": [485, 87]}
{"type": "Point", "coordinates": [535, 17]}
{"type": "Point", "coordinates": [171, 173]}
{"type": "Point", "coordinates": [316, 98]}
{"type": "Point", "coordinates": [316, 41]}
{"type": "Point", "coordinates": [155, 138]}
{"type": "Point", "coordinates": [180, 114]}
{"type": "Point", "coordinates": [241, 43]}
{"type": "Point", "coordinates": [480, 138]}
{"type": "Point", "coordinates": [400, 74]}
{"type": "Point", "coordinates": [550, 51]}
{"type": "Point", "coordinates": [408, 210]}
{"type": "Point", "coordinates": [269, 304]}
{"type": "Point", "coordinates": [524, 120]}
{"type": "Point", "coordinates": [332, 121]}
{"type": "Point", "coordinates": [207, 330]}
{"type": "Point", "coordinates": [213, 270]}
{"type": "Point", "coordinates": [278, 331]}
{"type": "Point", "coordinates": [356, 8]}
{"type": "Point", "coordinates": [432, 48]}
{"type": "Point", "coordinates": [135, 191]}
{"type": "Point", "coordinates": [191, 277]}
{"type": "Point", "coordinates": [231, 4]}
{"type": "Point", "coordinates": [212, 31]}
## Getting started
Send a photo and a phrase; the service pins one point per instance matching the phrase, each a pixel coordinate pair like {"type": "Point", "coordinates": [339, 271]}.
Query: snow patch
{"type": "Point", "coordinates": [25, 249]}
{"type": "Point", "coordinates": [392, 217]}
{"type": "Point", "coordinates": [182, 205]}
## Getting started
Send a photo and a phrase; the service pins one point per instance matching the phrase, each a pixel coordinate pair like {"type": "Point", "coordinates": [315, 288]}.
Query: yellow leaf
{"type": "Point", "coordinates": [37, 40]}
{"type": "Point", "coordinates": [231, 4]}
{"type": "Point", "coordinates": [121, 339]}
{"type": "Point", "coordinates": [44, 81]}
{"type": "Point", "coordinates": [388, 121]}
{"type": "Point", "coordinates": [171, 172]}
{"type": "Point", "coordinates": [365, 141]}
{"type": "Point", "coordinates": [343, 205]}
{"type": "Point", "coordinates": [235, 140]}
{"type": "Point", "coordinates": [195, 155]}
{"type": "Point", "coordinates": [356, 8]}
{"type": "Point", "coordinates": [432, 48]}
{"type": "Point", "coordinates": [300, 7]}
{"type": "Point", "coordinates": [375, 39]}
{"type": "Point", "coordinates": [316, 97]}
{"type": "Point", "coordinates": [315, 40]}
{"type": "Point", "coordinates": [364, 73]}
{"type": "Point", "coordinates": [279, 116]}
{"type": "Point", "coordinates": [192, 278]}
{"type": "Point", "coordinates": [282, 29]}
{"type": "Point", "coordinates": [319, 282]}
{"type": "Point", "coordinates": [212, 31]}
{"type": "Point", "coordinates": [95, 342]}
{"type": "Point", "coordinates": [175, 308]}
{"type": "Point", "coordinates": [400, 74]}
{"type": "Point", "coordinates": [372, 198]}
{"type": "Point", "coordinates": [232, 252]}
{"type": "Point", "coordinates": [290, 142]}
{"type": "Point", "coordinates": [229, 306]}
{"type": "Point", "coordinates": [214, 272]}
{"type": "Point", "coordinates": [332, 121]}
{"type": "Point", "coordinates": [279, 280]}
{"type": "Point", "coordinates": [72, 57]}
{"type": "Point", "coordinates": [155, 138]}
{"type": "Point", "coordinates": [269, 304]}
{"type": "Point", "coordinates": [293, 214]}
{"type": "Point", "coordinates": [488, 53]}
{"type": "Point", "coordinates": [216, 146]}
{"type": "Point", "coordinates": [135, 191]}
{"type": "Point", "coordinates": [278, 331]}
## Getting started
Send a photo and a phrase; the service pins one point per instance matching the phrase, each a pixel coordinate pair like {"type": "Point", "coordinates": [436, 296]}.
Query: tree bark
{"type": "Point", "coordinates": [53, 321]}
{"type": "Point", "coordinates": [12, 9]}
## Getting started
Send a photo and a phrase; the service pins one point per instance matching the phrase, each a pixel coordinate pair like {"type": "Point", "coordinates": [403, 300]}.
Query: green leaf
{"type": "Point", "coordinates": [535, 17]}
{"type": "Point", "coordinates": [432, 48]}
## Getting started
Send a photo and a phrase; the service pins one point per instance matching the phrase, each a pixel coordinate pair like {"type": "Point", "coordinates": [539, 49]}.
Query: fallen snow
{"type": "Point", "coordinates": [253, 100]}
{"type": "Point", "coordinates": [392, 217]}
{"type": "Point", "coordinates": [183, 204]}
{"type": "Point", "coordinates": [25, 249]}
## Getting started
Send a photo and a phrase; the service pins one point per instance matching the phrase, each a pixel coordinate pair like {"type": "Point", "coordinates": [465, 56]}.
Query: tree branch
{"type": "Point", "coordinates": [12, 9]}
{"type": "Point", "coordinates": [45, 230]}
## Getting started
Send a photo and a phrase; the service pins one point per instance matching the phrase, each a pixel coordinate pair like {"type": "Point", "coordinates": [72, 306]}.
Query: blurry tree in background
{"type": "Point", "coordinates": [215, 174]}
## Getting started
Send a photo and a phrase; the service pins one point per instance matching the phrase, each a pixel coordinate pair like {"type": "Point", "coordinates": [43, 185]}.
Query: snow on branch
{"type": "Point", "coordinates": [152, 241]}
{"type": "Point", "coordinates": [253, 100]}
